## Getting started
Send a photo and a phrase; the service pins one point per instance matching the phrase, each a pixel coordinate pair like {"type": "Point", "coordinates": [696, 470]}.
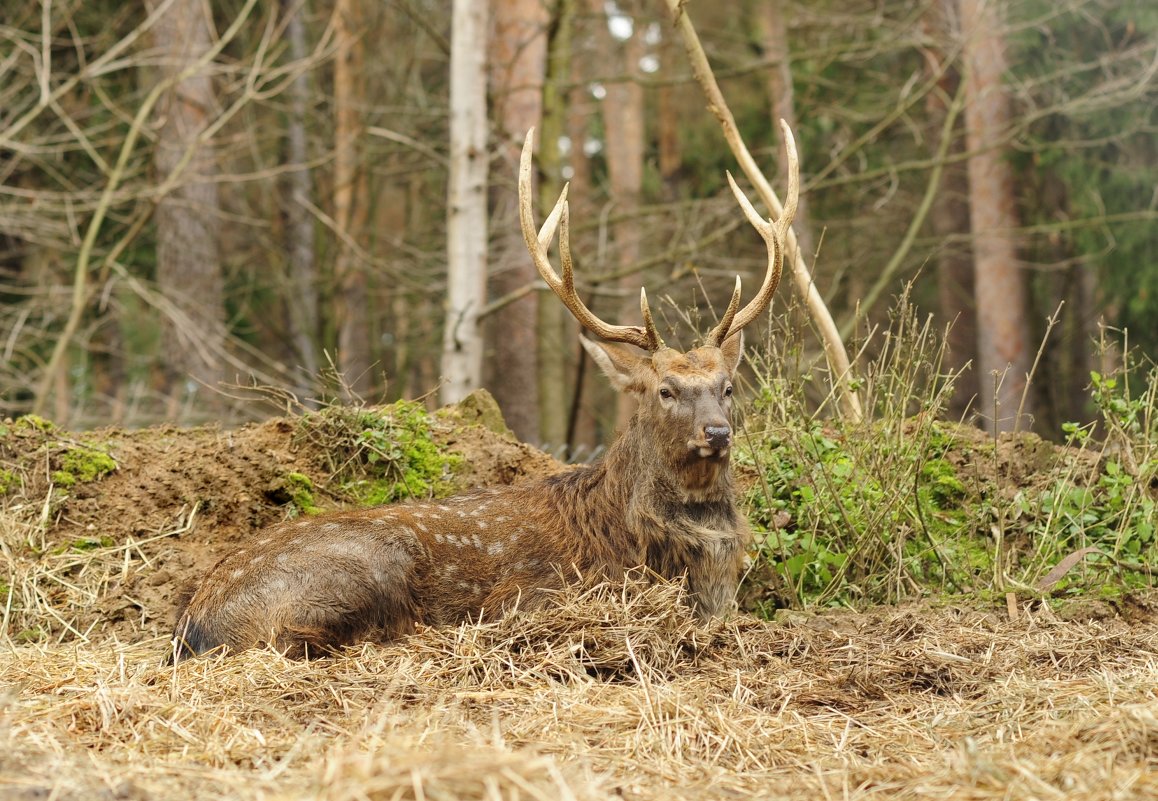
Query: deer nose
{"type": "Point", "coordinates": [718, 436]}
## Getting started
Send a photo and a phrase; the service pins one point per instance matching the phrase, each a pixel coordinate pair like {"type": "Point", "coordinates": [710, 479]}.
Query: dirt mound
{"type": "Point", "coordinates": [117, 545]}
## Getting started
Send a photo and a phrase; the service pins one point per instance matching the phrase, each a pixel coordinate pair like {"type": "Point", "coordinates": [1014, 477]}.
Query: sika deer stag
{"type": "Point", "coordinates": [661, 497]}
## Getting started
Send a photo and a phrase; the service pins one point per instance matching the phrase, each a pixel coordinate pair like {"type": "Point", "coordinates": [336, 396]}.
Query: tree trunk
{"type": "Point", "coordinates": [950, 222]}
{"type": "Point", "coordinates": [518, 66]}
{"type": "Point", "coordinates": [1003, 348]}
{"type": "Point", "coordinates": [554, 347]}
{"type": "Point", "coordinates": [188, 216]}
{"type": "Point", "coordinates": [773, 29]}
{"type": "Point", "coordinates": [582, 433]}
{"type": "Point", "coordinates": [623, 121]}
{"type": "Point", "coordinates": [466, 208]}
{"type": "Point", "coordinates": [670, 156]}
{"type": "Point", "coordinates": [351, 204]}
{"type": "Point", "coordinates": [302, 298]}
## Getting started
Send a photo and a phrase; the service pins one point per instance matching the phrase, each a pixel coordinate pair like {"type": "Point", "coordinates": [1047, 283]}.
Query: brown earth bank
{"type": "Point", "coordinates": [613, 692]}
{"type": "Point", "coordinates": [114, 552]}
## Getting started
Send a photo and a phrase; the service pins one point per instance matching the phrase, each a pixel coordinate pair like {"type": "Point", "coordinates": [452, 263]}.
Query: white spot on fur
{"type": "Point", "coordinates": [330, 527]}
{"type": "Point", "coordinates": [282, 558]}
{"type": "Point", "coordinates": [237, 574]}
{"type": "Point", "coordinates": [421, 528]}
{"type": "Point", "coordinates": [482, 524]}
{"type": "Point", "coordinates": [476, 542]}
{"type": "Point", "coordinates": [265, 541]}
{"type": "Point", "coordinates": [494, 549]}
{"type": "Point", "coordinates": [439, 538]}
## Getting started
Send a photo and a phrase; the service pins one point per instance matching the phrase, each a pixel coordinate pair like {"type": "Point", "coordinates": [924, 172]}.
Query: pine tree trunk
{"type": "Point", "coordinates": [302, 299]}
{"type": "Point", "coordinates": [1003, 347]}
{"type": "Point", "coordinates": [518, 61]}
{"type": "Point", "coordinates": [188, 216]}
{"type": "Point", "coordinates": [554, 348]}
{"type": "Point", "coordinates": [466, 224]}
{"type": "Point", "coordinates": [950, 221]}
{"type": "Point", "coordinates": [623, 120]}
{"type": "Point", "coordinates": [588, 389]}
{"type": "Point", "coordinates": [773, 27]}
{"type": "Point", "coordinates": [350, 199]}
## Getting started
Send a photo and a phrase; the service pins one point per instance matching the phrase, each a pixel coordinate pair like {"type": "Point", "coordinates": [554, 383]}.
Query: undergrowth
{"type": "Point", "coordinates": [905, 504]}
{"type": "Point", "coordinates": [380, 455]}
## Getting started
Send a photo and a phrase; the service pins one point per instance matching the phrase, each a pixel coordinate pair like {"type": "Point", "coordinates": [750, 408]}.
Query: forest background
{"type": "Point", "coordinates": [204, 201]}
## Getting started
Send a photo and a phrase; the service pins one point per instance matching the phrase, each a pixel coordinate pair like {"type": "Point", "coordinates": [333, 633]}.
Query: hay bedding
{"type": "Point", "coordinates": [611, 693]}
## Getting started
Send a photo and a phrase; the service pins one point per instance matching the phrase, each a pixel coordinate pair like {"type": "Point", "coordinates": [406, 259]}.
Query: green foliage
{"type": "Point", "coordinates": [82, 464]}
{"type": "Point", "coordinates": [1117, 511]}
{"type": "Point", "coordinates": [8, 480]}
{"type": "Point", "coordinates": [34, 423]}
{"type": "Point", "coordinates": [301, 493]}
{"type": "Point", "coordinates": [906, 505]}
{"type": "Point", "coordinates": [383, 455]}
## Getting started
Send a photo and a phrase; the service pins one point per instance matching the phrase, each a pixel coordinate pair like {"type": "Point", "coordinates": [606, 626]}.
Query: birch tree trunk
{"type": "Point", "coordinates": [1003, 348]}
{"type": "Point", "coordinates": [518, 60]}
{"type": "Point", "coordinates": [466, 224]}
{"type": "Point", "coordinates": [188, 216]}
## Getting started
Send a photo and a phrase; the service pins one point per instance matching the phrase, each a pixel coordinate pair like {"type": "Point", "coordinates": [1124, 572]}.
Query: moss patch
{"type": "Point", "coordinates": [383, 455]}
{"type": "Point", "coordinates": [81, 464]}
{"type": "Point", "coordinates": [301, 493]}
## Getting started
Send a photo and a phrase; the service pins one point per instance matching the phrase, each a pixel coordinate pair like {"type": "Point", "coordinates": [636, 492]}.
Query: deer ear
{"type": "Point", "coordinates": [733, 350]}
{"type": "Point", "coordinates": [619, 364]}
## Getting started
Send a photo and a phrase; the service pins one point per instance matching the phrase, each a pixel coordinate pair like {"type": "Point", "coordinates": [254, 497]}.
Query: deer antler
{"type": "Point", "coordinates": [644, 336]}
{"type": "Point", "coordinates": [774, 237]}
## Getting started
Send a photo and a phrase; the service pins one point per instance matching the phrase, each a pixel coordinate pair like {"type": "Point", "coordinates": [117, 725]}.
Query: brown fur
{"type": "Point", "coordinates": [661, 497]}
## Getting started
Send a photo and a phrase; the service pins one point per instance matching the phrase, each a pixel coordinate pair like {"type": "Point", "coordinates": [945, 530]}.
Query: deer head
{"type": "Point", "coordinates": [684, 397]}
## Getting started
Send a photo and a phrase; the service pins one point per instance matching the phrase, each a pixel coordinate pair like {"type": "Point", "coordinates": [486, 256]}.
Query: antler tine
{"type": "Point", "coordinates": [774, 237]}
{"type": "Point", "coordinates": [720, 332]}
{"type": "Point", "coordinates": [564, 287]}
{"type": "Point", "coordinates": [788, 212]}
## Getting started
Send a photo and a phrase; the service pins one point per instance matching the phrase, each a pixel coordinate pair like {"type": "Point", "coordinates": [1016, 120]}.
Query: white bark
{"type": "Point", "coordinates": [466, 226]}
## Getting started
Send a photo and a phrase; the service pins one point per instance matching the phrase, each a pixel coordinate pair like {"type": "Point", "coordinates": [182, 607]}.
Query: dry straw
{"type": "Point", "coordinates": [611, 692]}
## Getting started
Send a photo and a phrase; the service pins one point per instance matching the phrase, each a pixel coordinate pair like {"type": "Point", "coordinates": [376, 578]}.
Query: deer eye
{"type": "Point", "coordinates": [728, 391]}
{"type": "Point", "coordinates": [665, 393]}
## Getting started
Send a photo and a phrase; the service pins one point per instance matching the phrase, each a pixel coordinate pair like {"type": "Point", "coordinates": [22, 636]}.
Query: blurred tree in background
{"type": "Point", "coordinates": [192, 204]}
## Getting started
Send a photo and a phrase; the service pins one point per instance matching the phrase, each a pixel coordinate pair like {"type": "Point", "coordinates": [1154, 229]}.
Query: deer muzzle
{"type": "Point", "coordinates": [715, 442]}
